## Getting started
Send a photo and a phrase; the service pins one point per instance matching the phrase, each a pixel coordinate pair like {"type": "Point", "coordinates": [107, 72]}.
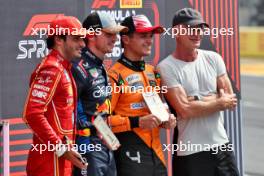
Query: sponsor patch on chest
{"type": "Point", "coordinates": [94, 72]}
{"type": "Point", "coordinates": [139, 105]}
{"type": "Point", "coordinates": [150, 76]}
{"type": "Point", "coordinates": [133, 78]}
{"type": "Point", "coordinates": [98, 81]}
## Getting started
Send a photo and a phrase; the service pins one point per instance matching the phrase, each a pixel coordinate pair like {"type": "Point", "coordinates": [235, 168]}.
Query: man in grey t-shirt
{"type": "Point", "coordinates": [198, 90]}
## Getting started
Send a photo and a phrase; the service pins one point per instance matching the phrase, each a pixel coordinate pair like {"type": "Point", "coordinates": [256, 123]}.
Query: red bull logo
{"type": "Point", "coordinates": [104, 107]}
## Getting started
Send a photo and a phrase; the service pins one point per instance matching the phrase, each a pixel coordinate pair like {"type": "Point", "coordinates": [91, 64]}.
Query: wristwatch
{"type": "Point", "coordinates": [197, 97]}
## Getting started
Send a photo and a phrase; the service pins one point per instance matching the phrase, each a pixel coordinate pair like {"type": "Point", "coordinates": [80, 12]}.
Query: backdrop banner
{"type": "Point", "coordinates": [21, 51]}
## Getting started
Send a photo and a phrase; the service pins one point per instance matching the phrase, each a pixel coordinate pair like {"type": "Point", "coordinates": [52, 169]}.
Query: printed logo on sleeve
{"type": "Point", "coordinates": [41, 87]}
{"type": "Point", "coordinates": [42, 80]}
{"type": "Point", "coordinates": [39, 94]}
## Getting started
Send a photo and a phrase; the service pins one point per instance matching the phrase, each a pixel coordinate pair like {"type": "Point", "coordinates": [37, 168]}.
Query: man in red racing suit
{"type": "Point", "coordinates": [50, 105]}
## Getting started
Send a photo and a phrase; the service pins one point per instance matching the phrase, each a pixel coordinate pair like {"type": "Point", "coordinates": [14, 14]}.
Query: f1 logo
{"type": "Point", "coordinates": [39, 21]}
{"type": "Point", "coordinates": [100, 3]}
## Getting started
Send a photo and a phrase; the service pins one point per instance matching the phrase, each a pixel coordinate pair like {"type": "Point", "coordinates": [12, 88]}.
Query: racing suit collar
{"type": "Point", "coordinates": [87, 53]}
{"type": "Point", "coordinates": [61, 59]}
{"type": "Point", "coordinates": [133, 65]}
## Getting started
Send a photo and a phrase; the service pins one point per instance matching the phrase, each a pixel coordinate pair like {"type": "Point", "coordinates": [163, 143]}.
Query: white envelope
{"type": "Point", "coordinates": [156, 106]}
{"type": "Point", "coordinates": [106, 132]}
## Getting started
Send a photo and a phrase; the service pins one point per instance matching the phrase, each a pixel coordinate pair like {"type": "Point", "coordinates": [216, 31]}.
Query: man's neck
{"type": "Point", "coordinates": [184, 54]}
{"type": "Point", "coordinates": [132, 57]}
{"type": "Point", "coordinates": [62, 53]}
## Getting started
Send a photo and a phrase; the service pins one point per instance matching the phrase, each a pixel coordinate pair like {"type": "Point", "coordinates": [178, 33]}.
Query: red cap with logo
{"type": "Point", "coordinates": [140, 23]}
{"type": "Point", "coordinates": [66, 25]}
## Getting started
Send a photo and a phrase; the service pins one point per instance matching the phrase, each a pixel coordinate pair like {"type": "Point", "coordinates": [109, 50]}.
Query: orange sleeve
{"type": "Point", "coordinates": [117, 123]}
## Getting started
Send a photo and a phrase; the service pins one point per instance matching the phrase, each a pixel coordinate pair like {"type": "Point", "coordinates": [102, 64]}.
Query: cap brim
{"type": "Point", "coordinates": [154, 29]}
{"type": "Point", "coordinates": [197, 22]}
{"type": "Point", "coordinates": [115, 29]}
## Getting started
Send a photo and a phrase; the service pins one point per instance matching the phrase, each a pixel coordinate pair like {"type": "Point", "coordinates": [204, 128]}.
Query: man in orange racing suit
{"type": "Point", "coordinates": [49, 108]}
{"type": "Point", "coordinates": [136, 128]}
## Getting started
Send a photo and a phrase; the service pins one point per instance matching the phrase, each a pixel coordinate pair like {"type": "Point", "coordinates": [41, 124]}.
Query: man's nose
{"type": "Point", "coordinates": [114, 37]}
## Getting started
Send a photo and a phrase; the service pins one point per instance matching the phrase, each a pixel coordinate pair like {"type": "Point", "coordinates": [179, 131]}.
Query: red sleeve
{"type": "Point", "coordinates": [42, 89]}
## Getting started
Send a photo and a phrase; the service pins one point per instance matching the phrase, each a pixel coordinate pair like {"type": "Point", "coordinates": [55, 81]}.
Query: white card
{"type": "Point", "coordinates": [156, 106]}
{"type": "Point", "coordinates": [106, 132]}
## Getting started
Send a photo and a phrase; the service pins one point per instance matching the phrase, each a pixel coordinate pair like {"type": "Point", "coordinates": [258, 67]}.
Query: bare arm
{"type": "Point", "coordinates": [188, 109]}
{"type": "Point", "coordinates": [205, 98]}
{"type": "Point", "coordinates": [223, 82]}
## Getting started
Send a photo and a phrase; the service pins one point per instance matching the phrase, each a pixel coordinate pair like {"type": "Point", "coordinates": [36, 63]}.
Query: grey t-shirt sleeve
{"type": "Point", "coordinates": [168, 77]}
{"type": "Point", "coordinates": [220, 65]}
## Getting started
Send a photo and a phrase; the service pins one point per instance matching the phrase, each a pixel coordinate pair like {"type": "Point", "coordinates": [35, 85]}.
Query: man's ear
{"type": "Point", "coordinates": [125, 39]}
{"type": "Point", "coordinates": [58, 40]}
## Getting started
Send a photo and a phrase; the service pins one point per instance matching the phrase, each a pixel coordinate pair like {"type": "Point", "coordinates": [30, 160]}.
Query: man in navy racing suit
{"type": "Point", "coordinates": [93, 94]}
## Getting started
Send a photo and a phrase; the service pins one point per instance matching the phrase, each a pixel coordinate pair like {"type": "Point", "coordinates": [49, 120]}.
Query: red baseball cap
{"type": "Point", "coordinates": [66, 25]}
{"type": "Point", "coordinates": [141, 24]}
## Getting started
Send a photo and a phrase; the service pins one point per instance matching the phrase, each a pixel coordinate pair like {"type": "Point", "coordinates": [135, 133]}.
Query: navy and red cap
{"type": "Point", "coordinates": [140, 24]}
{"type": "Point", "coordinates": [103, 21]}
{"type": "Point", "coordinates": [68, 24]}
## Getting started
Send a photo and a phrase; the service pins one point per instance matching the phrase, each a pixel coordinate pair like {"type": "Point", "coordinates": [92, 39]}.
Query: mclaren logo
{"type": "Point", "coordinates": [131, 3]}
